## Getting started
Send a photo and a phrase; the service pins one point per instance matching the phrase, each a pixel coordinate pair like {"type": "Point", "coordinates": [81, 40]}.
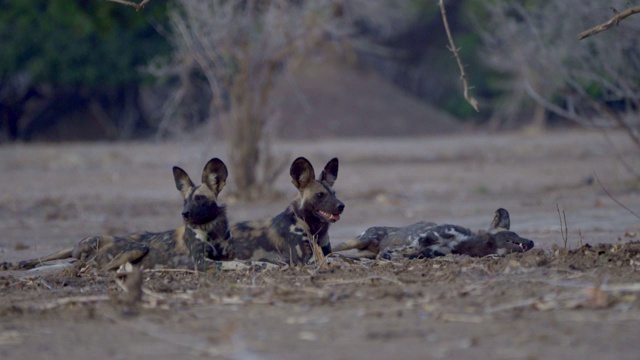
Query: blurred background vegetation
{"type": "Point", "coordinates": [97, 70]}
{"type": "Point", "coordinates": [75, 70]}
{"type": "Point", "coordinates": [77, 63]}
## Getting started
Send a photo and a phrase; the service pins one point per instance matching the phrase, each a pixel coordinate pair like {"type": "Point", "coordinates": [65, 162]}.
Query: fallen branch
{"type": "Point", "coordinates": [613, 21]}
{"type": "Point", "coordinates": [452, 46]}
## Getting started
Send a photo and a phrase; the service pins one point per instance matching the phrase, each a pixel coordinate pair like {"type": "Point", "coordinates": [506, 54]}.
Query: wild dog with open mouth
{"type": "Point", "coordinates": [429, 240]}
{"type": "Point", "coordinates": [204, 236]}
{"type": "Point", "coordinates": [286, 238]}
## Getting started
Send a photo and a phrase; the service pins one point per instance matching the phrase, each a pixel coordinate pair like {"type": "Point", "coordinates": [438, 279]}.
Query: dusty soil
{"type": "Point", "coordinates": [577, 298]}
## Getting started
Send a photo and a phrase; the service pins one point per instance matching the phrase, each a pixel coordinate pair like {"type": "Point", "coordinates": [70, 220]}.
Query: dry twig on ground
{"type": "Point", "coordinates": [564, 230]}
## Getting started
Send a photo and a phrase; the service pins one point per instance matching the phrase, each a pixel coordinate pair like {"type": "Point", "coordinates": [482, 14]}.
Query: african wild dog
{"type": "Point", "coordinates": [286, 238]}
{"type": "Point", "coordinates": [204, 236]}
{"type": "Point", "coordinates": [428, 240]}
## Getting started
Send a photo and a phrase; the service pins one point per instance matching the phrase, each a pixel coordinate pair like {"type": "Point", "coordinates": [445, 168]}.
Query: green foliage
{"type": "Point", "coordinates": [88, 43]}
{"type": "Point", "coordinates": [425, 9]}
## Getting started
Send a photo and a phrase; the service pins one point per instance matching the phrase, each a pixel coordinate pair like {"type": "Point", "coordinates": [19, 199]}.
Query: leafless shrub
{"type": "Point", "coordinates": [593, 82]}
{"type": "Point", "coordinates": [242, 47]}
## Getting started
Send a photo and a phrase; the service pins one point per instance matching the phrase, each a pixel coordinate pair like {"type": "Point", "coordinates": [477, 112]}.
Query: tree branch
{"type": "Point", "coordinates": [613, 21]}
{"type": "Point", "coordinates": [614, 199]}
{"type": "Point", "coordinates": [137, 6]}
{"type": "Point", "coordinates": [452, 46]}
{"type": "Point", "coordinates": [550, 106]}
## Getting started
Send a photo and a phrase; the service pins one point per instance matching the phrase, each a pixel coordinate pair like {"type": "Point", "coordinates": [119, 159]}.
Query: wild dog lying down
{"type": "Point", "coordinates": [286, 238]}
{"type": "Point", "coordinates": [428, 240]}
{"type": "Point", "coordinates": [204, 236]}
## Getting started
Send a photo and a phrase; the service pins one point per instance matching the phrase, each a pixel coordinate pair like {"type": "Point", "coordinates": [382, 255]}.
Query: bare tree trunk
{"type": "Point", "coordinates": [241, 48]}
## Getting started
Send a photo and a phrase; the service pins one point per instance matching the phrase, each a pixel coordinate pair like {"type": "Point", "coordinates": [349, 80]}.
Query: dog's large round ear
{"type": "Point", "coordinates": [215, 174]}
{"type": "Point", "coordinates": [330, 172]}
{"type": "Point", "coordinates": [302, 173]}
{"type": "Point", "coordinates": [501, 221]}
{"type": "Point", "coordinates": [183, 182]}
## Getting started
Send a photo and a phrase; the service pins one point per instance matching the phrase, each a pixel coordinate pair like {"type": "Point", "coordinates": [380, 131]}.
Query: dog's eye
{"type": "Point", "coordinates": [199, 198]}
{"type": "Point", "coordinates": [320, 195]}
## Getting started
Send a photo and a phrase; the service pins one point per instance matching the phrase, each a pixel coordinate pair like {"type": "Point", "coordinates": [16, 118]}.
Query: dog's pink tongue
{"type": "Point", "coordinates": [335, 217]}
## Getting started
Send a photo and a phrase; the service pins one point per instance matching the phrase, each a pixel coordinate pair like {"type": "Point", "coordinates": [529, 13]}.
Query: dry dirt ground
{"type": "Point", "coordinates": [578, 298]}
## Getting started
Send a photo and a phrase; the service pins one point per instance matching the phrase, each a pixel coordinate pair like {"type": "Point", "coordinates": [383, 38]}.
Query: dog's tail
{"type": "Point", "coordinates": [369, 240]}
{"type": "Point", "coordinates": [32, 263]}
{"type": "Point", "coordinates": [357, 243]}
